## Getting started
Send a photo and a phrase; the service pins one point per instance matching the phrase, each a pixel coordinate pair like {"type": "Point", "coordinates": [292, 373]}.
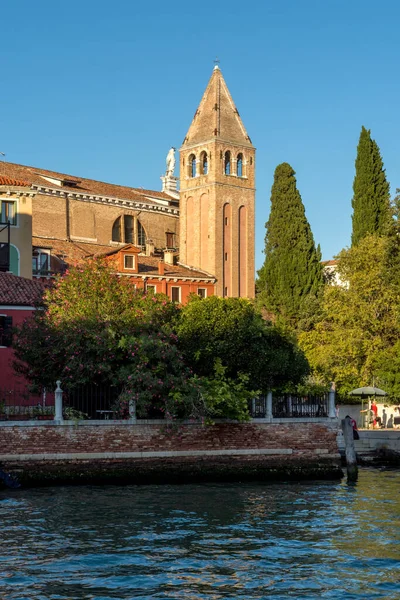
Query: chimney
{"type": "Point", "coordinates": [169, 257]}
{"type": "Point", "coordinates": [149, 248]}
{"type": "Point", "coordinates": [161, 267]}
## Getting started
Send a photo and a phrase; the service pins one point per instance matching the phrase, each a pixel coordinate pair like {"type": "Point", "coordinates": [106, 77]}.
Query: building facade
{"type": "Point", "coordinates": [18, 297]}
{"type": "Point", "coordinates": [51, 220]}
{"type": "Point", "coordinates": [15, 226]}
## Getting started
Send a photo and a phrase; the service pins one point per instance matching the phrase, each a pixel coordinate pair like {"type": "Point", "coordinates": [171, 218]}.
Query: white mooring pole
{"type": "Point", "coordinates": [331, 401]}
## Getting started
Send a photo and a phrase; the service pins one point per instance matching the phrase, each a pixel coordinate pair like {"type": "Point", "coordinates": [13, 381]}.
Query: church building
{"type": "Point", "coordinates": [198, 239]}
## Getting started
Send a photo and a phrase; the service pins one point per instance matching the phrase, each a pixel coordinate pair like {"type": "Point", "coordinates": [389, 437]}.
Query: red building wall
{"type": "Point", "coordinates": [7, 375]}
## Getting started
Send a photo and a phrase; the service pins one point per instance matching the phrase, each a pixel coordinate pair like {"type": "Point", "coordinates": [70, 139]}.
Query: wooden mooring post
{"type": "Point", "coordinates": [351, 457]}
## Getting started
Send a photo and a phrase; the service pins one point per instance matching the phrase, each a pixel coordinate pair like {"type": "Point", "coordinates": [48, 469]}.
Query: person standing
{"type": "Point", "coordinates": [377, 420]}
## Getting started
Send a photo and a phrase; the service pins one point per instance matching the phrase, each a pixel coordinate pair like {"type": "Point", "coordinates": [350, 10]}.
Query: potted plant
{"type": "Point", "coordinates": [15, 414]}
{"type": "Point", "coordinates": [72, 414]}
{"type": "Point", "coordinates": [42, 413]}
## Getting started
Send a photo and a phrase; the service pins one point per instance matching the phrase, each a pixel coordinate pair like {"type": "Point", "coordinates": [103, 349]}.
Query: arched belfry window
{"type": "Point", "coordinates": [116, 230]}
{"type": "Point", "coordinates": [192, 165]}
{"type": "Point", "coordinates": [227, 163]}
{"type": "Point", "coordinates": [239, 165]}
{"type": "Point", "coordinates": [203, 163]}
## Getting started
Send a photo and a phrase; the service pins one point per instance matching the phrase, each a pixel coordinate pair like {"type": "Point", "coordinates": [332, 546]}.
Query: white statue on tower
{"type": "Point", "coordinates": [170, 162]}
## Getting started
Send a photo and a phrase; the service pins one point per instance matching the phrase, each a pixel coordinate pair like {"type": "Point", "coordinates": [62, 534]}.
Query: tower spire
{"type": "Point", "coordinates": [217, 193]}
{"type": "Point", "coordinates": [217, 115]}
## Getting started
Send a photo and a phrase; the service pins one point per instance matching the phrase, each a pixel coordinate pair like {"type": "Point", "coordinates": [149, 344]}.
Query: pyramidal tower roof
{"type": "Point", "coordinates": [217, 116]}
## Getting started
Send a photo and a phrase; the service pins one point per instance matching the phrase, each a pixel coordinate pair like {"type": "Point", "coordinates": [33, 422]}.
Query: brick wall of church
{"type": "Point", "coordinates": [94, 221]}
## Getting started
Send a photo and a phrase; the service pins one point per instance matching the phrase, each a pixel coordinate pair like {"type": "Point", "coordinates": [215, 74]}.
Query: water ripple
{"type": "Point", "coordinates": [306, 541]}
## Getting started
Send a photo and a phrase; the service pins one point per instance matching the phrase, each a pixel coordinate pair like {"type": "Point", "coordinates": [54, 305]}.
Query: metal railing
{"type": "Point", "coordinates": [92, 402]}
{"type": "Point", "coordinates": [289, 406]}
{"type": "Point", "coordinates": [104, 402]}
{"type": "Point", "coordinates": [23, 405]}
{"type": "Point", "coordinates": [258, 407]}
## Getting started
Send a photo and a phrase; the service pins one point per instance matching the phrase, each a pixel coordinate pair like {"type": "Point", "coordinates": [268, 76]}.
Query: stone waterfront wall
{"type": "Point", "coordinates": [143, 453]}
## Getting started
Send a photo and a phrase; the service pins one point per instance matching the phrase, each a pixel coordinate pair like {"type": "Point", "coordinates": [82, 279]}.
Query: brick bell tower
{"type": "Point", "coordinates": [217, 193]}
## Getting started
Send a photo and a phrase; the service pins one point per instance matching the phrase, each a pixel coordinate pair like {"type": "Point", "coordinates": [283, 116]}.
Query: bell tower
{"type": "Point", "coordinates": [217, 193]}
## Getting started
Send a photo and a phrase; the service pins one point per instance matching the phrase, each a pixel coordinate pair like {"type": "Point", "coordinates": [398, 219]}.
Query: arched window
{"type": "Point", "coordinates": [239, 165]}
{"type": "Point", "coordinates": [192, 165]}
{"type": "Point", "coordinates": [227, 163]}
{"type": "Point", "coordinates": [203, 163]}
{"type": "Point", "coordinates": [141, 234]}
{"type": "Point", "coordinates": [116, 230]}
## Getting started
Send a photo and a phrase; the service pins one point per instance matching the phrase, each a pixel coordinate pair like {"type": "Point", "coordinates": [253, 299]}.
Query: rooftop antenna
{"type": "Point", "coordinates": [2, 153]}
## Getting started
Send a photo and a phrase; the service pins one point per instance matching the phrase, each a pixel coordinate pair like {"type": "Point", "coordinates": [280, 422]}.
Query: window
{"type": "Point", "coordinates": [8, 212]}
{"type": "Point", "coordinates": [204, 163]}
{"type": "Point", "coordinates": [170, 240]}
{"type": "Point", "coordinates": [129, 261]}
{"type": "Point", "coordinates": [129, 229]}
{"type": "Point", "coordinates": [141, 235]}
{"type": "Point", "coordinates": [151, 290]}
{"type": "Point", "coordinates": [202, 292]}
{"type": "Point", "coordinates": [4, 257]}
{"type": "Point", "coordinates": [239, 165]}
{"type": "Point", "coordinates": [133, 230]}
{"type": "Point", "coordinates": [192, 165]}
{"type": "Point", "coordinates": [175, 294]}
{"type": "Point", "coordinates": [5, 331]}
{"type": "Point", "coordinates": [116, 230]}
{"type": "Point", "coordinates": [40, 262]}
{"type": "Point", "coordinates": [227, 163]}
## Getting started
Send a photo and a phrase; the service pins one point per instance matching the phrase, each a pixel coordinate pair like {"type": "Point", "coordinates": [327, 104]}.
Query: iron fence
{"type": "Point", "coordinates": [258, 407]}
{"type": "Point", "coordinates": [92, 402]}
{"type": "Point", "coordinates": [23, 405]}
{"type": "Point", "coordinates": [288, 406]}
{"type": "Point", "coordinates": [102, 402]}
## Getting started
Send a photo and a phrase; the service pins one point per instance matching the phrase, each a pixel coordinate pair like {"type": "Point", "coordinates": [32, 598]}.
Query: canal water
{"type": "Point", "coordinates": [289, 540]}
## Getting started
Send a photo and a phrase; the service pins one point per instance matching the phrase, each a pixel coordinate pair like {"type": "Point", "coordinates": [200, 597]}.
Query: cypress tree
{"type": "Point", "coordinates": [371, 199]}
{"type": "Point", "coordinates": [292, 269]}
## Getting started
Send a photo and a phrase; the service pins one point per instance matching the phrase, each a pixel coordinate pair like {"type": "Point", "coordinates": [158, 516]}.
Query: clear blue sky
{"type": "Point", "coordinates": [103, 89]}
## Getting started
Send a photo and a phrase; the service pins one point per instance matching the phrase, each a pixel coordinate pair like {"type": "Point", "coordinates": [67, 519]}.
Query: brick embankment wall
{"type": "Point", "coordinates": [120, 452]}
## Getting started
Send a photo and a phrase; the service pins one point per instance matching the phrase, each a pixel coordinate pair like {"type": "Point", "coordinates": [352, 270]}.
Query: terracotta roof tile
{"type": "Point", "coordinates": [6, 180]}
{"type": "Point", "coordinates": [33, 176]}
{"type": "Point", "coordinates": [71, 252]}
{"type": "Point", "coordinates": [149, 264]}
{"type": "Point", "coordinates": [18, 291]}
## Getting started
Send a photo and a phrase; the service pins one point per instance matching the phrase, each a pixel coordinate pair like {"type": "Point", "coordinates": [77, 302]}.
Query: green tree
{"type": "Point", "coordinates": [95, 328]}
{"type": "Point", "coordinates": [231, 330]}
{"type": "Point", "coordinates": [371, 194]}
{"type": "Point", "coordinates": [292, 270]}
{"type": "Point", "coordinates": [356, 340]}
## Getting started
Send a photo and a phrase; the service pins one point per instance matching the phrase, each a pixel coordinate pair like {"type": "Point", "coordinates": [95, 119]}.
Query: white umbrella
{"type": "Point", "coordinates": [367, 391]}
